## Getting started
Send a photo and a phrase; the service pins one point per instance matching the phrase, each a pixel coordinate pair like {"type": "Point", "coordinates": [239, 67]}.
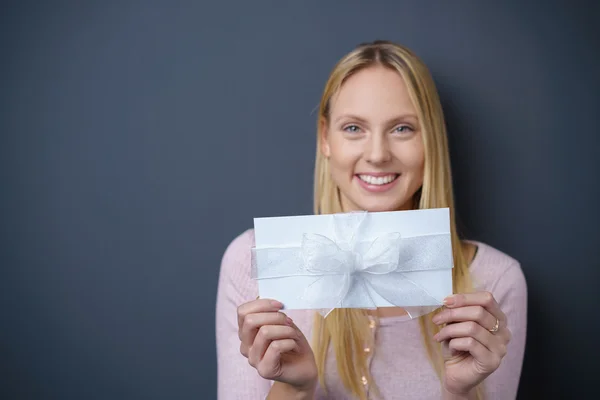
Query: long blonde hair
{"type": "Point", "coordinates": [346, 331]}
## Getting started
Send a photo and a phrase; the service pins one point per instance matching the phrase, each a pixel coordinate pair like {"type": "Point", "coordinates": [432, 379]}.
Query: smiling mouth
{"type": "Point", "coordinates": [378, 180]}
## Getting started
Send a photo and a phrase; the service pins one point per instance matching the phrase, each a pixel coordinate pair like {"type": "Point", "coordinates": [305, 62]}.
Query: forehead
{"type": "Point", "coordinates": [373, 92]}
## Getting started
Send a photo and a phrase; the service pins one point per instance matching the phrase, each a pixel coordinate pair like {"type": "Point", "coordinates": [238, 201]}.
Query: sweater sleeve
{"type": "Point", "coordinates": [236, 378]}
{"type": "Point", "coordinates": [510, 291]}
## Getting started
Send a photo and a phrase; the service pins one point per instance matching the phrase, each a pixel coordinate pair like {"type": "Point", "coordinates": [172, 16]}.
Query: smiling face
{"type": "Point", "coordinates": [373, 143]}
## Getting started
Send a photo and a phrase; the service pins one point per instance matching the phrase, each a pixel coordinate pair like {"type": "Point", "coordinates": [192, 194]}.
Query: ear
{"type": "Point", "coordinates": [323, 138]}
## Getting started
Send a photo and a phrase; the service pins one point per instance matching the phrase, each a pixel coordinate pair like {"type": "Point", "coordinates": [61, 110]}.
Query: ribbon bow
{"type": "Point", "coordinates": [360, 265]}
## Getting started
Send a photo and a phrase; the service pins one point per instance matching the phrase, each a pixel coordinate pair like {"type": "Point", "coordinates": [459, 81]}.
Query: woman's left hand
{"type": "Point", "coordinates": [475, 340]}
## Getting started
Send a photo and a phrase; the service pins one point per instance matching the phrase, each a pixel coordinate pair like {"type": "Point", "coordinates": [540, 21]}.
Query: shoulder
{"type": "Point", "coordinates": [495, 271]}
{"type": "Point", "coordinates": [488, 255]}
{"type": "Point", "coordinates": [240, 246]}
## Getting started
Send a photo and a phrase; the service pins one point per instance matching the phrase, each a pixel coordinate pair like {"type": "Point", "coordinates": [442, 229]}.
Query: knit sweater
{"type": "Point", "coordinates": [398, 362]}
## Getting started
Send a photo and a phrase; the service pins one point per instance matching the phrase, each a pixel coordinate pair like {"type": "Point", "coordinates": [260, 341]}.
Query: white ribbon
{"type": "Point", "coordinates": [349, 270]}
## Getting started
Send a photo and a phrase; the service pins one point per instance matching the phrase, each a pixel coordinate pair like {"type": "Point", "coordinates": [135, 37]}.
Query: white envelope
{"type": "Point", "coordinates": [416, 288]}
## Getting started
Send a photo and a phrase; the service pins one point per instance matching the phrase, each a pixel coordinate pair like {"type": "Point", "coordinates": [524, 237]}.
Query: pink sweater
{"type": "Point", "coordinates": [398, 362]}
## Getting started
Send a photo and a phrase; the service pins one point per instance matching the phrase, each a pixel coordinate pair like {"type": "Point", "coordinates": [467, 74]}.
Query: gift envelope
{"type": "Point", "coordinates": [355, 260]}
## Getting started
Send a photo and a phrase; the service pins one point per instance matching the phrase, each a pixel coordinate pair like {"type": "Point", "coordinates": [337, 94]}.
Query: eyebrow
{"type": "Point", "coordinates": [362, 120]}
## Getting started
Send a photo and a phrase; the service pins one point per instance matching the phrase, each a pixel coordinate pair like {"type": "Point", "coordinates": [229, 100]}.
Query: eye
{"type": "Point", "coordinates": [403, 129]}
{"type": "Point", "coordinates": [352, 128]}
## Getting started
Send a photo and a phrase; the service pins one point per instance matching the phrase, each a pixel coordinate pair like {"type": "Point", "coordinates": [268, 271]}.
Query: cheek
{"type": "Point", "coordinates": [412, 157]}
{"type": "Point", "coordinates": [344, 154]}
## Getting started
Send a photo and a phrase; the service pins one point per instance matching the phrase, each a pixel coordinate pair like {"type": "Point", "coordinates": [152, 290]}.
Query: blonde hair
{"type": "Point", "coordinates": [346, 331]}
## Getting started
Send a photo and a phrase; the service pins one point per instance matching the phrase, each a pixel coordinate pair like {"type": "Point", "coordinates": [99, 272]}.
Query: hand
{"type": "Point", "coordinates": [471, 351]}
{"type": "Point", "coordinates": [275, 346]}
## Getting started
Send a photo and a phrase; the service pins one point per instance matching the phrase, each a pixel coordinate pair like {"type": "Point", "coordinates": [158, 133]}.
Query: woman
{"type": "Point", "coordinates": [381, 146]}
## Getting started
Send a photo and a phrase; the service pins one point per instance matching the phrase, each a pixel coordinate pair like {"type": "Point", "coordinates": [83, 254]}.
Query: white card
{"type": "Point", "coordinates": [415, 288]}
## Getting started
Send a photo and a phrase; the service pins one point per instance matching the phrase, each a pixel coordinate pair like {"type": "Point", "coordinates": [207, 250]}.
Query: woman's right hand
{"type": "Point", "coordinates": [275, 346]}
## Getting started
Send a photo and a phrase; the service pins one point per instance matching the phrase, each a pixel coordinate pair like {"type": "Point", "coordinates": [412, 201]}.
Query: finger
{"type": "Point", "coordinates": [270, 365]}
{"type": "Point", "coordinates": [468, 313]}
{"type": "Point", "coordinates": [253, 322]}
{"type": "Point", "coordinates": [468, 329]}
{"type": "Point", "coordinates": [267, 334]}
{"type": "Point", "coordinates": [256, 306]}
{"type": "Point", "coordinates": [487, 360]}
{"type": "Point", "coordinates": [483, 299]}
{"type": "Point", "coordinates": [249, 329]}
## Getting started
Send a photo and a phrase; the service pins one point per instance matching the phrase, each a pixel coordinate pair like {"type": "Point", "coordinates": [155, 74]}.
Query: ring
{"type": "Point", "coordinates": [495, 328]}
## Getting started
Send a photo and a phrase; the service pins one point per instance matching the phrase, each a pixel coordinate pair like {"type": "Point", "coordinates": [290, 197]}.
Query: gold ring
{"type": "Point", "coordinates": [495, 328]}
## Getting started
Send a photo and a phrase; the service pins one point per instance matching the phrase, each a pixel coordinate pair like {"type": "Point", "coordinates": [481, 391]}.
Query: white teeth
{"type": "Point", "coordinates": [377, 180]}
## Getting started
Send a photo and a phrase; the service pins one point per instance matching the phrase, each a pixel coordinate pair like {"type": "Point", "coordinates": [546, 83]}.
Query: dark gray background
{"type": "Point", "coordinates": [139, 138]}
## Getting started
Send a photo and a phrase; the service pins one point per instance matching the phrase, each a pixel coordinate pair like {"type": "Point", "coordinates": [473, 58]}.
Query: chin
{"type": "Point", "coordinates": [380, 206]}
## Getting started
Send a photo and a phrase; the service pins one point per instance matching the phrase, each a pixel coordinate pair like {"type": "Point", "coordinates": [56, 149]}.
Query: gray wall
{"type": "Point", "coordinates": [138, 138]}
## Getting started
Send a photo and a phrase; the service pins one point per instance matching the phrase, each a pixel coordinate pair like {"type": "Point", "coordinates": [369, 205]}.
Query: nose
{"type": "Point", "coordinates": [377, 150]}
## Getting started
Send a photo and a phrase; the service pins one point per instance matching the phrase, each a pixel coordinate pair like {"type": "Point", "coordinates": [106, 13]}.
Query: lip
{"type": "Point", "coordinates": [377, 188]}
{"type": "Point", "coordinates": [377, 174]}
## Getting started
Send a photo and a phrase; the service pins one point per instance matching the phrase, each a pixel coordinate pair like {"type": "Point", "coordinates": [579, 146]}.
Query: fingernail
{"type": "Point", "coordinates": [449, 300]}
{"type": "Point", "coordinates": [276, 303]}
{"type": "Point", "coordinates": [436, 337]}
{"type": "Point", "coordinates": [289, 321]}
{"type": "Point", "coordinates": [437, 319]}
